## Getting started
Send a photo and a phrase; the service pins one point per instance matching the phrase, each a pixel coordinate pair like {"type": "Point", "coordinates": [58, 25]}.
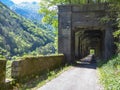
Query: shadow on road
{"type": "Point", "coordinates": [87, 62]}
{"type": "Point", "coordinates": [86, 65]}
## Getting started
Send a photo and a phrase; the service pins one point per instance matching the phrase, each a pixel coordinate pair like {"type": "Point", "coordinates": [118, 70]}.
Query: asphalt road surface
{"type": "Point", "coordinates": [79, 77]}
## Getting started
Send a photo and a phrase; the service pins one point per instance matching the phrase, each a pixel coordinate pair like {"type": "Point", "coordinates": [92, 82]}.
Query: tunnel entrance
{"type": "Point", "coordinates": [88, 42]}
{"type": "Point", "coordinates": [81, 31]}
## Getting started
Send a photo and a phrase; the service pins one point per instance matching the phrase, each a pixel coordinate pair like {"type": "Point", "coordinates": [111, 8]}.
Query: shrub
{"type": "Point", "coordinates": [110, 74]}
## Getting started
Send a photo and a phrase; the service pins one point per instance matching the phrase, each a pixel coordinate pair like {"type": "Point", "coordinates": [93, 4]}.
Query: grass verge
{"type": "Point", "coordinates": [109, 72]}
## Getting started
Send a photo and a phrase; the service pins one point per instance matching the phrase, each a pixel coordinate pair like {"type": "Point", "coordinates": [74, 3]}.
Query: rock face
{"type": "Point", "coordinates": [2, 71]}
{"type": "Point", "coordinates": [83, 27]}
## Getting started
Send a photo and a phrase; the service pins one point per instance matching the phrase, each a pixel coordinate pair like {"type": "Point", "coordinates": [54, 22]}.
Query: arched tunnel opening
{"type": "Point", "coordinates": [88, 42]}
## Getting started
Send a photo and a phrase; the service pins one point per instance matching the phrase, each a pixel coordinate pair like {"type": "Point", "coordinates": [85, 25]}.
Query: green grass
{"type": "Point", "coordinates": [41, 80]}
{"type": "Point", "coordinates": [110, 73]}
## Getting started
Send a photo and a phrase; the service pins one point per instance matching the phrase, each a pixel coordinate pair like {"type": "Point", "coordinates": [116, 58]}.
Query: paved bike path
{"type": "Point", "coordinates": [80, 77]}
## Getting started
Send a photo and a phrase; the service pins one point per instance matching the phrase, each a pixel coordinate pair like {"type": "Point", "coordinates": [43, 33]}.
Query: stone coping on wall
{"type": "Point", "coordinates": [39, 56]}
{"type": "Point", "coordinates": [83, 7]}
{"type": "Point", "coordinates": [27, 67]}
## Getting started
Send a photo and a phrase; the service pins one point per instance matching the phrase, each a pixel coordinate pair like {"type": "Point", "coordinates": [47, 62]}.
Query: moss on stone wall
{"type": "Point", "coordinates": [28, 67]}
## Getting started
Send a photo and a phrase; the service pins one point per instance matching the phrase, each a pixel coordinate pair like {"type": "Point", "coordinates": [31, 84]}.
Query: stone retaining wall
{"type": "Point", "coordinates": [30, 66]}
{"type": "Point", "coordinates": [2, 72]}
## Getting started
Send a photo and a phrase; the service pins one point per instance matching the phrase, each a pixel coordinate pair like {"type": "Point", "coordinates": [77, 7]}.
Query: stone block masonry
{"type": "Point", "coordinates": [2, 72]}
{"type": "Point", "coordinates": [28, 67]}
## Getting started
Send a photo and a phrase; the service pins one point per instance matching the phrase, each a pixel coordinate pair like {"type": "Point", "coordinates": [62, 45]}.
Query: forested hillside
{"type": "Point", "coordinates": [19, 36]}
{"type": "Point", "coordinates": [29, 10]}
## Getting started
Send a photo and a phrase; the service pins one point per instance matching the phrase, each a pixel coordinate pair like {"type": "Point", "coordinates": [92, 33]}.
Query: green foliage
{"type": "Point", "coordinates": [49, 48]}
{"type": "Point", "coordinates": [110, 73]}
{"type": "Point", "coordinates": [49, 7]}
{"type": "Point", "coordinates": [19, 36]}
{"type": "Point", "coordinates": [92, 51]}
{"type": "Point", "coordinates": [116, 34]}
{"type": "Point", "coordinates": [114, 16]}
{"type": "Point", "coordinates": [105, 19]}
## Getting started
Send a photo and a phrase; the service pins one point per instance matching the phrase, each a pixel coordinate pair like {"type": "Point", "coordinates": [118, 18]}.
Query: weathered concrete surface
{"type": "Point", "coordinates": [82, 27]}
{"type": "Point", "coordinates": [81, 77]}
{"type": "Point", "coordinates": [28, 67]}
{"type": "Point", "coordinates": [2, 71]}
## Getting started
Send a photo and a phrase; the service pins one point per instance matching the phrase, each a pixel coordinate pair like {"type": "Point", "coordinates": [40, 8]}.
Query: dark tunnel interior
{"type": "Point", "coordinates": [88, 42]}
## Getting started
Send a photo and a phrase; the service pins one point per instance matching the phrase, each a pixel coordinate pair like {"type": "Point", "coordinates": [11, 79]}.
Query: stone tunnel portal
{"type": "Point", "coordinates": [80, 30]}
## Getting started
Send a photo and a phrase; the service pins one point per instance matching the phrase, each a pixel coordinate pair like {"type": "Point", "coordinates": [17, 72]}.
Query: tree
{"type": "Point", "coordinates": [49, 8]}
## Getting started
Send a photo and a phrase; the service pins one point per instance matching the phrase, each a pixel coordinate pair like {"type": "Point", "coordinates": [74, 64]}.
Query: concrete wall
{"type": "Point", "coordinates": [30, 66]}
{"type": "Point", "coordinates": [74, 18]}
{"type": "Point", "coordinates": [2, 72]}
{"type": "Point", "coordinates": [65, 32]}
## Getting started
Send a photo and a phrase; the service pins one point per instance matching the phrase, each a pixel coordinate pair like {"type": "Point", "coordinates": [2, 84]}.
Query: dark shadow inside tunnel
{"type": "Point", "coordinates": [89, 66]}
{"type": "Point", "coordinates": [87, 62]}
{"type": "Point", "coordinates": [88, 42]}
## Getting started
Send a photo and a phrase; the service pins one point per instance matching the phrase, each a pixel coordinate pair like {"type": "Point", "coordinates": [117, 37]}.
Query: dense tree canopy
{"type": "Point", "coordinates": [19, 36]}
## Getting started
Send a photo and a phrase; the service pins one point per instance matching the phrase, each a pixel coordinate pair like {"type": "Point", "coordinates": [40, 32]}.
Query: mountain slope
{"type": "Point", "coordinates": [18, 35]}
{"type": "Point", "coordinates": [28, 10]}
